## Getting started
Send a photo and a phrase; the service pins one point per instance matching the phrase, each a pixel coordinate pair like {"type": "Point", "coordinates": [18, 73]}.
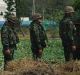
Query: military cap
{"type": "Point", "coordinates": [36, 16]}
{"type": "Point", "coordinates": [69, 9]}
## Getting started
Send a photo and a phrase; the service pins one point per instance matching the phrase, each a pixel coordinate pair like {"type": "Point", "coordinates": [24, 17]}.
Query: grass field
{"type": "Point", "coordinates": [53, 56]}
{"type": "Point", "coordinates": [53, 52]}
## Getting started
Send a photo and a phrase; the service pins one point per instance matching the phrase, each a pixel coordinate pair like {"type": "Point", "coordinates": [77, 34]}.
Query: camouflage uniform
{"type": "Point", "coordinates": [67, 33]}
{"type": "Point", "coordinates": [77, 25]}
{"type": "Point", "coordinates": [9, 40]}
{"type": "Point", "coordinates": [38, 38]}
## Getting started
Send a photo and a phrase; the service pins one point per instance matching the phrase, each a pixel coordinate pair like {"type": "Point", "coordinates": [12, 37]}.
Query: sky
{"type": "Point", "coordinates": [2, 5]}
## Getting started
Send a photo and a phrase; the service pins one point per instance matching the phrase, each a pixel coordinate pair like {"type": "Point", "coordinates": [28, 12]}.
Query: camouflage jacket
{"type": "Point", "coordinates": [9, 36]}
{"type": "Point", "coordinates": [37, 35]}
{"type": "Point", "coordinates": [67, 29]}
{"type": "Point", "coordinates": [77, 25]}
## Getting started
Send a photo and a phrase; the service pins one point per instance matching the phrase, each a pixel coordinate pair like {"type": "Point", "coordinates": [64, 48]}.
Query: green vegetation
{"type": "Point", "coordinates": [50, 9]}
{"type": "Point", "coordinates": [53, 52]}
{"type": "Point", "coordinates": [77, 9]}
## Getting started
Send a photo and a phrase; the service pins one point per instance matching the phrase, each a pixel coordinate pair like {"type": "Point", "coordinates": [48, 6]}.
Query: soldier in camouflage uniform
{"type": "Point", "coordinates": [38, 36]}
{"type": "Point", "coordinates": [67, 33]}
{"type": "Point", "coordinates": [77, 25]}
{"type": "Point", "coordinates": [9, 39]}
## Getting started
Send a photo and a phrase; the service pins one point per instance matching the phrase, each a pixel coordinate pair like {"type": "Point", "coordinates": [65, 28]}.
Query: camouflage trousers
{"type": "Point", "coordinates": [77, 52]}
{"type": "Point", "coordinates": [69, 54]}
{"type": "Point", "coordinates": [37, 53]}
{"type": "Point", "coordinates": [8, 58]}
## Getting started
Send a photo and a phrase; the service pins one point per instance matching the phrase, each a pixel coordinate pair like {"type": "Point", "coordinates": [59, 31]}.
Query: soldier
{"type": "Point", "coordinates": [37, 36]}
{"type": "Point", "coordinates": [77, 25]}
{"type": "Point", "coordinates": [67, 33]}
{"type": "Point", "coordinates": [9, 39]}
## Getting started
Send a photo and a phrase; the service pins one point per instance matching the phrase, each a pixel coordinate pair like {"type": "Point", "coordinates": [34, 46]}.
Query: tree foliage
{"type": "Point", "coordinates": [77, 9]}
{"type": "Point", "coordinates": [77, 5]}
{"type": "Point", "coordinates": [49, 8]}
{"type": "Point", "coordinates": [10, 7]}
{"type": "Point", "coordinates": [23, 7]}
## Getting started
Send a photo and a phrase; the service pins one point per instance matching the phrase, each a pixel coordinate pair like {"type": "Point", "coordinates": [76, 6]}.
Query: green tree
{"type": "Point", "coordinates": [77, 9]}
{"type": "Point", "coordinates": [10, 7]}
{"type": "Point", "coordinates": [23, 8]}
{"type": "Point", "coordinates": [47, 7]}
{"type": "Point", "coordinates": [77, 5]}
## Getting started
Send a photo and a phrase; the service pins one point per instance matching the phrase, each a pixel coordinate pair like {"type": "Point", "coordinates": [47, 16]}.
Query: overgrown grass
{"type": "Point", "coordinates": [53, 52]}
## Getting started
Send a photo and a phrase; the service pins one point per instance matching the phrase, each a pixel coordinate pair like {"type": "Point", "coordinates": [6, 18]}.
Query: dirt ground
{"type": "Point", "coordinates": [29, 67]}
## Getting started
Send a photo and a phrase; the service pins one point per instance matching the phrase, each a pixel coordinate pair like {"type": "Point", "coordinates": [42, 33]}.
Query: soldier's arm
{"type": "Point", "coordinates": [46, 38]}
{"type": "Point", "coordinates": [4, 37]}
{"type": "Point", "coordinates": [37, 37]}
{"type": "Point", "coordinates": [60, 31]}
{"type": "Point", "coordinates": [16, 34]}
{"type": "Point", "coordinates": [45, 35]}
{"type": "Point", "coordinates": [72, 30]}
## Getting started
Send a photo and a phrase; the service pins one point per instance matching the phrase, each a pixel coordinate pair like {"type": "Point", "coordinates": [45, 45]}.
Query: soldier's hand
{"type": "Point", "coordinates": [40, 51]}
{"type": "Point", "coordinates": [47, 46]}
{"type": "Point", "coordinates": [23, 34]}
{"type": "Point", "coordinates": [7, 51]}
{"type": "Point", "coordinates": [73, 47]}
